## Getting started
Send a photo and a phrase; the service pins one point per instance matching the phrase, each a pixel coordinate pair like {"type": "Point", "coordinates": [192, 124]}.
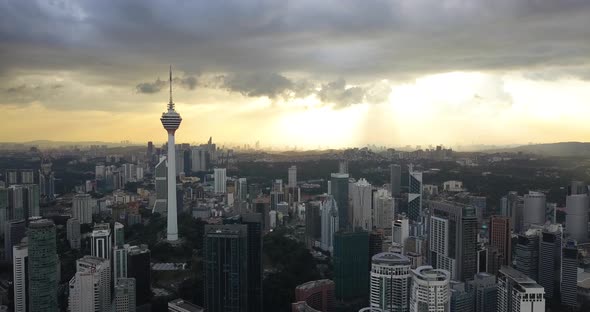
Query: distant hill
{"type": "Point", "coordinates": [561, 149]}
{"type": "Point", "coordinates": [49, 143]}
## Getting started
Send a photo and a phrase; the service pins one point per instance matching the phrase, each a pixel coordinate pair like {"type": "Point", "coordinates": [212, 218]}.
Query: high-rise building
{"type": "Point", "coordinates": [119, 230]}
{"type": "Point", "coordinates": [512, 206]}
{"type": "Point", "coordinates": [550, 259]}
{"type": "Point", "coordinates": [31, 201]}
{"type": "Point", "coordinates": [101, 241]}
{"type": "Point", "coordinates": [400, 231]}
{"type": "Point", "coordinates": [46, 182]}
{"type": "Point", "coordinates": [139, 268]}
{"type": "Point", "coordinates": [292, 182]}
{"type": "Point", "coordinates": [161, 185]}
{"type": "Point", "coordinates": [82, 206]}
{"type": "Point", "coordinates": [526, 253]}
{"type": "Point", "coordinates": [90, 288]}
{"type": "Point", "coordinates": [395, 174]}
{"type": "Point", "coordinates": [4, 209]}
{"type": "Point", "coordinates": [382, 209]}
{"type": "Point", "coordinates": [225, 267]}
{"type": "Point", "coordinates": [73, 233]}
{"type": "Point", "coordinates": [390, 282]}
{"type": "Point", "coordinates": [501, 237]}
{"type": "Point", "coordinates": [220, 180]}
{"type": "Point", "coordinates": [181, 305]}
{"type": "Point", "coordinates": [414, 195]}
{"type": "Point", "coordinates": [351, 260]}
{"type": "Point", "coordinates": [20, 276]}
{"type": "Point", "coordinates": [125, 295]}
{"type": "Point", "coordinates": [339, 190]}
{"type": "Point", "coordinates": [343, 167]}
{"type": "Point", "coordinates": [11, 177]}
{"type": "Point", "coordinates": [149, 153]}
{"type": "Point", "coordinates": [518, 293]}
{"type": "Point", "coordinates": [576, 219]}
{"type": "Point", "coordinates": [430, 290]}
{"type": "Point", "coordinates": [313, 224]}
{"type": "Point", "coordinates": [198, 159]}
{"type": "Point", "coordinates": [361, 193]}
{"type": "Point", "coordinates": [569, 274]}
{"type": "Point", "coordinates": [16, 208]}
{"type": "Point", "coordinates": [42, 266]}
{"type": "Point", "coordinates": [453, 239]}
{"type": "Point", "coordinates": [171, 121]}
{"type": "Point", "coordinates": [329, 222]}
{"type": "Point", "coordinates": [534, 209]}
{"type": "Point", "coordinates": [318, 295]}
{"type": "Point", "coordinates": [462, 298]}
{"type": "Point", "coordinates": [486, 292]}
{"type": "Point", "coordinates": [120, 257]}
{"type": "Point", "coordinates": [577, 187]}
{"type": "Point", "coordinates": [242, 194]}
{"type": "Point", "coordinates": [16, 230]}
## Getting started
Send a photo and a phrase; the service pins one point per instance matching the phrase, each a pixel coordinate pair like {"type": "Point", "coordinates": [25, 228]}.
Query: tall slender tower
{"type": "Point", "coordinates": [171, 121]}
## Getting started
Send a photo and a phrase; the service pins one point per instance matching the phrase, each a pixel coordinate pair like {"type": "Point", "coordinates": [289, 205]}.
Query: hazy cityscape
{"type": "Point", "coordinates": [270, 156]}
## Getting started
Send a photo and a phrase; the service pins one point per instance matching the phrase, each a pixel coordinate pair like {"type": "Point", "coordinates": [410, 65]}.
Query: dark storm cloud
{"type": "Point", "coordinates": [123, 42]}
{"type": "Point", "coordinates": [186, 82]}
{"type": "Point", "coordinates": [337, 93]}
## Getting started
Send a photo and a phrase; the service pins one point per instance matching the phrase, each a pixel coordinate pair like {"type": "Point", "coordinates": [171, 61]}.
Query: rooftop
{"type": "Point", "coordinates": [390, 258]}
{"type": "Point", "coordinates": [317, 283]}
{"type": "Point", "coordinates": [186, 305]}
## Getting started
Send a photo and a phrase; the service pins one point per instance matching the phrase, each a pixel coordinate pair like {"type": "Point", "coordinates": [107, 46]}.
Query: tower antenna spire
{"type": "Point", "coordinates": [171, 104]}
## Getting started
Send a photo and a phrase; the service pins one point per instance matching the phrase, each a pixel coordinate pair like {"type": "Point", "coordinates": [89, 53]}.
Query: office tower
{"type": "Point", "coordinates": [577, 188]}
{"type": "Point", "coordinates": [390, 282]}
{"type": "Point", "coordinates": [181, 305]}
{"type": "Point", "coordinates": [225, 261]}
{"type": "Point", "coordinates": [534, 209]}
{"type": "Point", "coordinates": [430, 290]}
{"type": "Point", "coordinates": [219, 178]}
{"type": "Point", "coordinates": [149, 153]}
{"type": "Point", "coordinates": [512, 206]}
{"type": "Point", "coordinates": [242, 195]}
{"type": "Point", "coordinates": [101, 241]}
{"type": "Point", "coordinates": [31, 201]}
{"type": "Point", "coordinates": [139, 268]}
{"type": "Point", "coordinates": [382, 209]}
{"type": "Point", "coordinates": [518, 293]}
{"type": "Point", "coordinates": [11, 177]}
{"type": "Point", "coordinates": [462, 298]}
{"type": "Point", "coordinates": [375, 244]}
{"type": "Point", "coordinates": [292, 182]}
{"type": "Point", "coordinates": [526, 253]}
{"type": "Point", "coordinates": [120, 254]}
{"type": "Point", "coordinates": [501, 237]}
{"type": "Point", "coordinates": [15, 231]}
{"type": "Point", "coordinates": [339, 190]}
{"type": "Point", "coordinates": [161, 185]}
{"type": "Point", "coordinates": [351, 260]}
{"type": "Point", "coordinates": [119, 234]}
{"type": "Point", "coordinates": [42, 266]}
{"type": "Point", "coordinates": [576, 219]}
{"type": "Point", "coordinates": [125, 295]}
{"type": "Point", "coordinates": [480, 205]}
{"type": "Point", "coordinates": [395, 174]}
{"type": "Point", "coordinates": [486, 292]}
{"type": "Point", "coordinates": [4, 209]}
{"type": "Point", "coordinates": [171, 121]}
{"type": "Point", "coordinates": [82, 206]}
{"type": "Point", "coordinates": [330, 218]}
{"type": "Point", "coordinates": [453, 239]}
{"type": "Point", "coordinates": [313, 224]}
{"type": "Point", "coordinates": [73, 233]}
{"type": "Point", "coordinates": [318, 295]}
{"type": "Point", "coordinates": [569, 274]}
{"type": "Point", "coordinates": [20, 277]}
{"type": "Point", "coordinates": [46, 183]}
{"type": "Point", "coordinates": [16, 208]}
{"type": "Point", "coordinates": [400, 231]}
{"type": "Point", "coordinates": [550, 259]}
{"type": "Point", "coordinates": [414, 195]}
{"type": "Point", "coordinates": [27, 176]}
{"type": "Point", "coordinates": [343, 167]}
{"type": "Point", "coordinates": [90, 287]}
{"type": "Point", "coordinates": [198, 159]}
{"type": "Point", "coordinates": [180, 159]}
{"type": "Point", "coordinates": [361, 193]}
{"type": "Point", "coordinates": [99, 172]}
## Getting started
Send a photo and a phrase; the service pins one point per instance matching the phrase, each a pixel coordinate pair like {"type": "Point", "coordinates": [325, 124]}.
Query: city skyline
{"type": "Point", "coordinates": [298, 73]}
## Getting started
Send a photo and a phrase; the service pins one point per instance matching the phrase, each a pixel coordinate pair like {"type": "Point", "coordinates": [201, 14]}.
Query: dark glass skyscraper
{"type": "Point", "coordinates": [139, 267]}
{"type": "Point", "coordinates": [395, 172]}
{"type": "Point", "coordinates": [351, 260]}
{"type": "Point", "coordinates": [339, 189]}
{"type": "Point", "coordinates": [226, 268]}
{"type": "Point", "coordinates": [42, 266]}
{"type": "Point", "coordinates": [569, 274]}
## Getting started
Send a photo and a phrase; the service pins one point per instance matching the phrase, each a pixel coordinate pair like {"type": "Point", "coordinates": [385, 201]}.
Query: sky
{"type": "Point", "coordinates": [297, 73]}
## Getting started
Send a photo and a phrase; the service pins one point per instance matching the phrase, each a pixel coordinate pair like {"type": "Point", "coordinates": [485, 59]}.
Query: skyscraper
{"type": "Point", "coordinates": [395, 174]}
{"type": "Point", "coordinates": [161, 185]}
{"type": "Point", "coordinates": [139, 268]}
{"type": "Point", "coordinates": [534, 209]}
{"type": "Point", "coordinates": [46, 182]}
{"type": "Point", "coordinates": [318, 295]}
{"type": "Point", "coordinates": [390, 282]}
{"type": "Point", "coordinates": [339, 190]}
{"type": "Point", "coordinates": [313, 224]}
{"type": "Point", "coordinates": [16, 208]}
{"type": "Point", "coordinates": [518, 293]}
{"type": "Point", "coordinates": [220, 180]}
{"type": "Point", "coordinates": [4, 210]}
{"type": "Point", "coordinates": [90, 288]}
{"type": "Point", "coordinates": [576, 219]}
{"type": "Point", "coordinates": [569, 274]}
{"type": "Point", "coordinates": [82, 206]}
{"type": "Point", "coordinates": [225, 268]}
{"type": "Point", "coordinates": [125, 295]}
{"type": "Point", "coordinates": [329, 222]}
{"type": "Point", "coordinates": [501, 238]}
{"type": "Point", "coordinates": [462, 298]}
{"type": "Point", "coordinates": [430, 290]}
{"type": "Point", "coordinates": [526, 253]}
{"type": "Point", "coordinates": [16, 230]}
{"type": "Point", "coordinates": [400, 232]}
{"type": "Point", "coordinates": [73, 233]}
{"type": "Point", "coordinates": [361, 193]}
{"type": "Point", "coordinates": [20, 277]}
{"type": "Point", "coordinates": [414, 195]}
{"type": "Point", "coordinates": [42, 266]}
{"type": "Point", "coordinates": [486, 292]}
{"type": "Point", "coordinates": [351, 260]}
{"type": "Point", "coordinates": [382, 209]}
{"type": "Point", "coordinates": [171, 121]}
{"type": "Point", "coordinates": [101, 241]}
{"type": "Point", "coordinates": [31, 201]}
{"type": "Point", "coordinates": [292, 182]}
{"type": "Point", "coordinates": [550, 259]}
